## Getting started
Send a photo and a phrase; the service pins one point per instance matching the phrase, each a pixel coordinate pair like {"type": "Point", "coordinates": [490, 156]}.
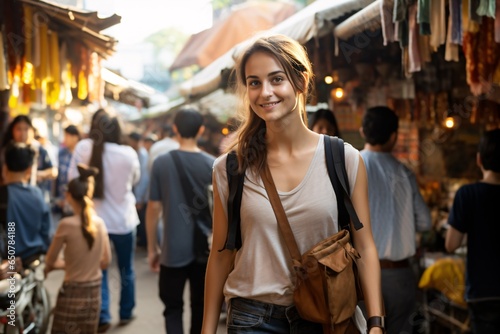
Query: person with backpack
{"type": "Point", "coordinates": [179, 184]}
{"type": "Point", "coordinates": [257, 279]}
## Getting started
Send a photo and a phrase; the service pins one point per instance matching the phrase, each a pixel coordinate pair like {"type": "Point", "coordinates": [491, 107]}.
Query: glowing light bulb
{"type": "Point", "coordinates": [449, 122]}
{"type": "Point", "coordinates": [339, 93]}
{"type": "Point", "coordinates": [328, 79]}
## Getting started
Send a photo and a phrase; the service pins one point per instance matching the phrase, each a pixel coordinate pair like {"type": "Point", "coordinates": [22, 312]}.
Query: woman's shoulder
{"type": "Point", "coordinates": [220, 162]}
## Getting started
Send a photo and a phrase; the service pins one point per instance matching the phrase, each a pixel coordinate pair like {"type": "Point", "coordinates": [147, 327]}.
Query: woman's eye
{"type": "Point", "coordinates": [253, 83]}
{"type": "Point", "coordinates": [277, 79]}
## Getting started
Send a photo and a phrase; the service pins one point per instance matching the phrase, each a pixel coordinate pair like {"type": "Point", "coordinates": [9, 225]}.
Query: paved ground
{"type": "Point", "coordinates": [149, 319]}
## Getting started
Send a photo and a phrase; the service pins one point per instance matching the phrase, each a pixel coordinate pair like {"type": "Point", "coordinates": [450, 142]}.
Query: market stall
{"type": "Point", "coordinates": [50, 57]}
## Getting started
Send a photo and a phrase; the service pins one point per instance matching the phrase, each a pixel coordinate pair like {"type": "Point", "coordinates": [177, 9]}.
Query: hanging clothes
{"type": "Point", "coordinates": [4, 82]}
{"type": "Point", "coordinates": [456, 21]}
{"type": "Point", "coordinates": [497, 22]}
{"type": "Point", "coordinates": [424, 16]}
{"type": "Point", "coordinates": [387, 21]}
{"type": "Point", "coordinates": [414, 62]}
{"type": "Point", "coordinates": [451, 51]}
{"type": "Point", "coordinates": [486, 8]}
{"type": "Point", "coordinates": [438, 24]}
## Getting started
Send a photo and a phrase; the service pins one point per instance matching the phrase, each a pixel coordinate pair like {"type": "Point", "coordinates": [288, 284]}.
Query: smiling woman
{"type": "Point", "coordinates": [274, 77]}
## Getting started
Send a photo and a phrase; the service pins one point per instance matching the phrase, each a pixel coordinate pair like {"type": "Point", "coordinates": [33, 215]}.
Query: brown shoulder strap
{"type": "Point", "coordinates": [280, 214]}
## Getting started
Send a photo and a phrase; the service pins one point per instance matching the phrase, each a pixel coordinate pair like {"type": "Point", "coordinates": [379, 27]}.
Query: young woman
{"type": "Point", "coordinates": [114, 202]}
{"type": "Point", "coordinates": [21, 130]}
{"type": "Point", "coordinates": [324, 122]}
{"type": "Point", "coordinates": [274, 76]}
{"type": "Point", "coordinates": [86, 253]}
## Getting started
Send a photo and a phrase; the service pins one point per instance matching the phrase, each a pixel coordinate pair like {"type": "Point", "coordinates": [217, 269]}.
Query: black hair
{"type": "Point", "coordinates": [489, 150]}
{"type": "Point", "coordinates": [188, 122]}
{"type": "Point", "coordinates": [135, 136]}
{"type": "Point", "coordinates": [379, 123]}
{"type": "Point", "coordinates": [72, 130]}
{"type": "Point", "coordinates": [328, 115]}
{"type": "Point", "coordinates": [8, 136]}
{"type": "Point", "coordinates": [18, 156]}
{"type": "Point", "coordinates": [167, 130]}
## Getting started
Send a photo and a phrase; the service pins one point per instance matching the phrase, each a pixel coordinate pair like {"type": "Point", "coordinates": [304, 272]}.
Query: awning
{"type": "Point", "coordinates": [366, 19]}
{"type": "Point", "coordinates": [243, 21]}
{"type": "Point", "coordinates": [313, 21]}
{"type": "Point", "coordinates": [80, 24]}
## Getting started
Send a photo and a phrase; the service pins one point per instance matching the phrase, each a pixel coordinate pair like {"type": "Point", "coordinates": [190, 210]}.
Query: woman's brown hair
{"type": "Point", "coordinates": [81, 190]}
{"type": "Point", "coordinates": [250, 144]}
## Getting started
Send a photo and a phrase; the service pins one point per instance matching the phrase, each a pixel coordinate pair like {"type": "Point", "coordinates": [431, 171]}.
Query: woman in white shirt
{"type": "Point", "coordinates": [114, 202]}
{"type": "Point", "coordinates": [274, 77]}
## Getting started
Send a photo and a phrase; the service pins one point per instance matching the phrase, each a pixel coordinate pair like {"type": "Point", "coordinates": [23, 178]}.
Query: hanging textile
{"type": "Point", "coordinates": [4, 83]}
{"type": "Point", "coordinates": [387, 21]}
{"type": "Point", "coordinates": [482, 56]}
{"type": "Point", "coordinates": [451, 51]}
{"type": "Point", "coordinates": [424, 16]}
{"type": "Point", "coordinates": [438, 24]}
{"type": "Point", "coordinates": [497, 22]}
{"type": "Point", "coordinates": [413, 47]}
{"type": "Point", "coordinates": [456, 21]}
{"type": "Point", "coordinates": [486, 8]}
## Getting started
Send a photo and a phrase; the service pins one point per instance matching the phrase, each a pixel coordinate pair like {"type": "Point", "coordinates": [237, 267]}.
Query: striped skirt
{"type": "Point", "coordinates": [77, 309]}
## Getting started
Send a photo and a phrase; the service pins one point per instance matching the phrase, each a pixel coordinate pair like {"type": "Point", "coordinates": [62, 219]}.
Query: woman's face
{"type": "Point", "coordinates": [324, 127]}
{"type": "Point", "coordinates": [22, 133]}
{"type": "Point", "coordinates": [270, 92]}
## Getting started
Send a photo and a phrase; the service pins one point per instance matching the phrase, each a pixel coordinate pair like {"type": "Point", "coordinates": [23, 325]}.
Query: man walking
{"type": "Point", "coordinates": [397, 212]}
{"type": "Point", "coordinates": [178, 188]}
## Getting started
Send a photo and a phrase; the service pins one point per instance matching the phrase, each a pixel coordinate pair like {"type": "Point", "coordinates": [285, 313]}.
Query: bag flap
{"type": "Point", "coordinates": [336, 261]}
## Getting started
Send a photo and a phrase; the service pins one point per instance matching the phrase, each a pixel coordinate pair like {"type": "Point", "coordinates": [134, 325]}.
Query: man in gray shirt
{"type": "Point", "coordinates": [397, 212]}
{"type": "Point", "coordinates": [179, 182]}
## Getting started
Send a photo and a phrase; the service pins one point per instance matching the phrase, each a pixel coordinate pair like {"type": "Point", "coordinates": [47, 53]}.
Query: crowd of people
{"type": "Point", "coordinates": [110, 190]}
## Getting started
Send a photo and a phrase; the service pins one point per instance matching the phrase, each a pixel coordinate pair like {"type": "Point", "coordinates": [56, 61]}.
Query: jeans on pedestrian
{"type": "Point", "coordinates": [124, 245]}
{"type": "Point", "coordinates": [172, 282]}
{"type": "Point", "coordinates": [485, 316]}
{"type": "Point", "coordinates": [251, 316]}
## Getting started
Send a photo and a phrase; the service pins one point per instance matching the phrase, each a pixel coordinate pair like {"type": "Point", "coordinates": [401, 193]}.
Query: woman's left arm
{"type": "Point", "coordinates": [368, 264]}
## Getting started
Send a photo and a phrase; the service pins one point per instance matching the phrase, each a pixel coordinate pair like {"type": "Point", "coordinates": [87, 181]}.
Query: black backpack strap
{"type": "Point", "coordinates": [235, 181]}
{"type": "Point", "coordinates": [335, 163]}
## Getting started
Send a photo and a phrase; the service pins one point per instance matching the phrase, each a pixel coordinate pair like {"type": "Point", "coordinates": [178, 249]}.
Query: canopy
{"type": "Point", "coordinates": [79, 24]}
{"type": "Point", "coordinates": [243, 21]}
{"type": "Point", "coordinates": [314, 20]}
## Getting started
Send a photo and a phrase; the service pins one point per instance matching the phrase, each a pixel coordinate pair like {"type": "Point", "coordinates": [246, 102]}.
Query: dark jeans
{"type": "Point", "coordinates": [141, 228]}
{"type": "Point", "coordinates": [124, 245]}
{"type": "Point", "coordinates": [172, 282]}
{"type": "Point", "coordinates": [251, 316]}
{"type": "Point", "coordinates": [485, 317]}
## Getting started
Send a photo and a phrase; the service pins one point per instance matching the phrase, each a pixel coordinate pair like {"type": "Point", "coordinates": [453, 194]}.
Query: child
{"type": "Point", "coordinates": [86, 253]}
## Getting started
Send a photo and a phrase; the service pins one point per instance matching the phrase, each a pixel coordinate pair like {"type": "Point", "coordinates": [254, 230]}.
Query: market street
{"type": "Point", "coordinates": [149, 308]}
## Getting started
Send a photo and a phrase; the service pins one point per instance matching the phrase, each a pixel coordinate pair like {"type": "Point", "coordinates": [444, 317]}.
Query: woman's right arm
{"type": "Point", "coordinates": [218, 267]}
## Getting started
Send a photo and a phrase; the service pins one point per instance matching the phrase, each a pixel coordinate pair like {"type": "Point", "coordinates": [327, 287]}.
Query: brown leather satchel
{"type": "Point", "coordinates": [327, 286]}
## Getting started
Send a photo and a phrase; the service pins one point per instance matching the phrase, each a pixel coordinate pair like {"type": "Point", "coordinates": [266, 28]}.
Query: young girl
{"type": "Point", "coordinates": [274, 76]}
{"type": "Point", "coordinates": [86, 252]}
